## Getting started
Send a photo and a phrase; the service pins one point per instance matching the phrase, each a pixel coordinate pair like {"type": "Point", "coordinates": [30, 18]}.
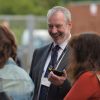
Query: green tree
{"type": "Point", "coordinates": [14, 7]}
{"type": "Point", "coordinates": [36, 7]}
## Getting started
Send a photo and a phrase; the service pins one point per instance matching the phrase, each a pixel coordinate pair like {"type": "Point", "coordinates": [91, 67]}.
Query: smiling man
{"type": "Point", "coordinates": [48, 85]}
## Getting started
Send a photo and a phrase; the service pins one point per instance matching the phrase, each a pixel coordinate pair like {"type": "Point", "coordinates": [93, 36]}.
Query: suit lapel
{"type": "Point", "coordinates": [42, 62]}
{"type": "Point", "coordinates": [45, 55]}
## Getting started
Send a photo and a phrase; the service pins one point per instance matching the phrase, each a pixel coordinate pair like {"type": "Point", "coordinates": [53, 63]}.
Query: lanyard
{"type": "Point", "coordinates": [60, 58]}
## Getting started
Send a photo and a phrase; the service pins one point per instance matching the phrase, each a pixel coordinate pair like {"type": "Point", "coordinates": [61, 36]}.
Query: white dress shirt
{"type": "Point", "coordinates": [44, 81]}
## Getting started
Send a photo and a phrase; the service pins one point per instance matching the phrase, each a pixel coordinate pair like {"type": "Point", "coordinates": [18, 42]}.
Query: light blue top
{"type": "Point", "coordinates": [16, 82]}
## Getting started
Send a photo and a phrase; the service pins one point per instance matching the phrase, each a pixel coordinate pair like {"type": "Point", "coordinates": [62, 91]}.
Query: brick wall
{"type": "Point", "coordinates": [83, 20]}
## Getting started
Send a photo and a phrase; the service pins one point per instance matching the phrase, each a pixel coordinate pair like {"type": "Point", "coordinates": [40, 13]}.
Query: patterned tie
{"type": "Point", "coordinates": [44, 89]}
{"type": "Point", "coordinates": [53, 61]}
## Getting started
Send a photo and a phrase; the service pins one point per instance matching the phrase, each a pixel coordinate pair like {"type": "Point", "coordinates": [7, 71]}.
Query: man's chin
{"type": "Point", "coordinates": [58, 41]}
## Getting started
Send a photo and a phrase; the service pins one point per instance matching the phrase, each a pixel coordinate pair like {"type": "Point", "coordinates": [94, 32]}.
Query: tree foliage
{"type": "Point", "coordinates": [37, 7]}
{"type": "Point", "coordinates": [15, 7]}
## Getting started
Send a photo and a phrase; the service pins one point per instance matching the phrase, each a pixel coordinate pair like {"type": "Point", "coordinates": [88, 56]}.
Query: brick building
{"type": "Point", "coordinates": [83, 19]}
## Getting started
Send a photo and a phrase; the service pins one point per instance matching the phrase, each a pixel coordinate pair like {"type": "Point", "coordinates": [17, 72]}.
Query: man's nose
{"type": "Point", "coordinates": [54, 29]}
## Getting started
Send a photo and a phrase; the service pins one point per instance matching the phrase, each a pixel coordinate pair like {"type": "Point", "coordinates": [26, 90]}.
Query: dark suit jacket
{"type": "Point", "coordinates": [38, 63]}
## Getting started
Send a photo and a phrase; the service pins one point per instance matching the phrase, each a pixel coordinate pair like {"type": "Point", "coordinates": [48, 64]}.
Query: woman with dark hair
{"type": "Point", "coordinates": [14, 81]}
{"type": "Point", "coordinates": [84, 67]}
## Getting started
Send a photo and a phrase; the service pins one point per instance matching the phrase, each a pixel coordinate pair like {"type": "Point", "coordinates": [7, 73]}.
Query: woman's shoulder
{"type": "Point", "coordinates": [13, 71]}
{"type": "Point", "coordinates": [88, 74]}
{"type": "Point", "coordinates": [16, 81]}
{"type": "Point", "coordinates": [87, 78]}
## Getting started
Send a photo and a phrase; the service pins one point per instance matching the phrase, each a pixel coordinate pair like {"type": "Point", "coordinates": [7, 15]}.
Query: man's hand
{"type": "Point", "coordinates": [57, 80]}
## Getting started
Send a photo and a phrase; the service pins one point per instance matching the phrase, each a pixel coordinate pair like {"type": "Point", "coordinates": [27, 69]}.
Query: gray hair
{"type": "Point", "coordinates": [56, 9]}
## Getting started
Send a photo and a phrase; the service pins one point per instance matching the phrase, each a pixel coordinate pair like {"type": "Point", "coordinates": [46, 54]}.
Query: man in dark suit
{"type": "Point", "coordinates": [52, 86]}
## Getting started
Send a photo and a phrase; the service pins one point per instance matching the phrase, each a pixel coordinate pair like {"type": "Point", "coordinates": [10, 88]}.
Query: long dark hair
{"type": "Point", "coordinates": [8, 45]}
{"type": "Point", "coordinates": [85, 54]}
